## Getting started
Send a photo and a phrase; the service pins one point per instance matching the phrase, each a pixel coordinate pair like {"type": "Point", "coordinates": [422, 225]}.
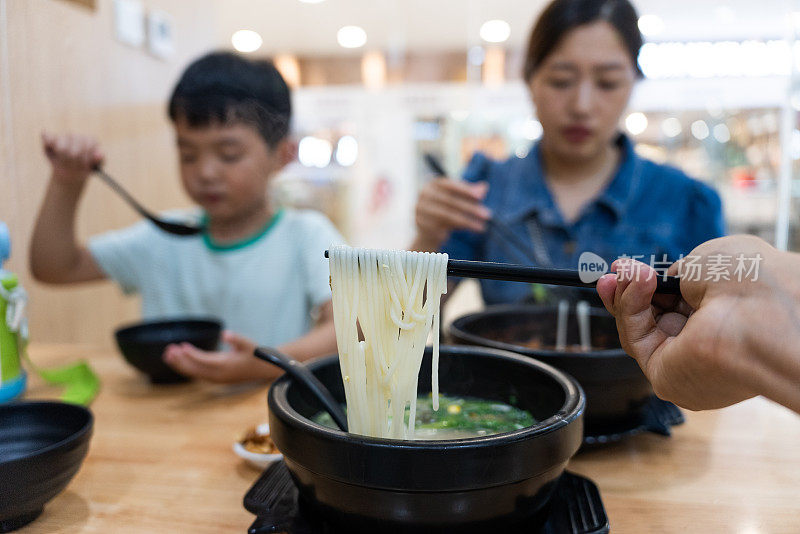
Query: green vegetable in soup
{"type": "Point", "coordinates": [458, 417]}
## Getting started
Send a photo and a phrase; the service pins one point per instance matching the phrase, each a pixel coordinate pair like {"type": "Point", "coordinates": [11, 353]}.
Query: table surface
{"type": "Point", "coordinates": [161, 460]}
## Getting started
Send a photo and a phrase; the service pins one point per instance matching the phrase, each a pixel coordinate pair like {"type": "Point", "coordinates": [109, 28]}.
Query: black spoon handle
{"type": "Point", "coordinates": [123, 193]}
{"type": "Point", "coordinates": [300, 372]}
{"type": "Point", "coordinates": [167, 226]}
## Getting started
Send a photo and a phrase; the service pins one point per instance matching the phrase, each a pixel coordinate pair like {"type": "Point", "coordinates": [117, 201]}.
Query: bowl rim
{"type": "Point", "coordinates": [199, 320]}
{"type": "Point", "coordinates": [73, 437]}
{"type": "Point", "coordinates": [573, 407]}
{"type": "Point", "coordinates": [455, 328]}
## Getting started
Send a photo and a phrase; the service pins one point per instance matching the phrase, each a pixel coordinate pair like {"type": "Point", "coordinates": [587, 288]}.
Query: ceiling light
{"type": "Point", "coordinates": [314, 152]}
{"type": "Point", "coordinates": [532, 129]}
{"type": "Point", "coordinates": [651, 25]}
{"type": "Point", "coordinates": [346, 151]}
{"type": "Point", "coordinates": [246, 41]}
{"type": "Point", "coordinates": [351, 36]}
{"type": "Point", "coordinates": [700, 129]}
{"type": "Point", "coordinates": [724, 14]}
{"type": "Point", "coordinates": [495, 31]}
{"type": "Point", "coordinates": [312, 1]}
{"type": "Point", "coordinates": [636, 123]}
{"type": "Point", "coordinates": [721, 133]}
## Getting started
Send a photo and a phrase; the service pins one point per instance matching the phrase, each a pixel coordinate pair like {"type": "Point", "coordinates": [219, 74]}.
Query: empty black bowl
{"type": "Point", "coordinates": [366, 484]}
{"type": "Point", "coordinates": [42, 446]}
{"type": "Point", "coordinates": [143, 344]}
{"type": "Point", "coordinates": [617, 392]}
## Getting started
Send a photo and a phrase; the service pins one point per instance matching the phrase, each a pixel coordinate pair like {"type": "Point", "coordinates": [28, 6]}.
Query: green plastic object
{"type": "Point", "coordinates": [81, 384]}
{"type": "Point", "coordinates": [80, 381]}
{"type": "Point", "coordinates": [9, 355]}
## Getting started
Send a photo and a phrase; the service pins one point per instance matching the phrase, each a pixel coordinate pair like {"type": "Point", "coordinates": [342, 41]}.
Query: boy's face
{"type": "Point", "coordinates": [225, 168]}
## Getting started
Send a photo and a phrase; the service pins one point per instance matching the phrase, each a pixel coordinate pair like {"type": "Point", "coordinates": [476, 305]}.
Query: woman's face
{"type": "Point", "coordinates": [580, 91]}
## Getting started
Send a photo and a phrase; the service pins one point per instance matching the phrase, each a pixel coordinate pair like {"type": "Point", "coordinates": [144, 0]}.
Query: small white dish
{"type": "Point", "coordinates": [255, 459]}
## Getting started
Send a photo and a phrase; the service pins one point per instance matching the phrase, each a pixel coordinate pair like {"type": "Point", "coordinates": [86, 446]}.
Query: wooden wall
{"type": "Point", "coordinates": [61, 69]}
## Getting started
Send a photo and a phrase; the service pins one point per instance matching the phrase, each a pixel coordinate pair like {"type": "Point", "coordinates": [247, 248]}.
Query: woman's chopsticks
{"type": "Point", "coordinates": [511, 244]}
{"type": "Point", "coordinates": [669, 285]}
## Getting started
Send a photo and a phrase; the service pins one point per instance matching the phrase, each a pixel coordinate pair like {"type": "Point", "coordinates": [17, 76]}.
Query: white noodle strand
{"type": "Point", "coordinates": [394, 297]}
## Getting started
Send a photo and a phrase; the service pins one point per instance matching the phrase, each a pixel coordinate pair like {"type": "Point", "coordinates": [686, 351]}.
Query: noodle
{"type": "Point", "coordinates": [394, 297]}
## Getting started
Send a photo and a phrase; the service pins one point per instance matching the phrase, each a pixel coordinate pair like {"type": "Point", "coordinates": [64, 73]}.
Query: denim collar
{"type": "Point", "coordinates": [528, 192]}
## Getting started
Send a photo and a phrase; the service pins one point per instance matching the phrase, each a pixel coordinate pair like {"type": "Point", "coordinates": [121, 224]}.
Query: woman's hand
{"type": "Point", "coordinates": [72, 157]}
{"type": "Point", "coordinates": [238, 364]}
{"type": "Point", "coordinates": [446, 205]}
{"type": "Point", "coordinates": [724, 340]}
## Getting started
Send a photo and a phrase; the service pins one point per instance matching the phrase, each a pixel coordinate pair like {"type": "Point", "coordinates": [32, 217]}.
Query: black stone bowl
{"type": "Point", "coordinates": [143, 344]}
{"type": "Point", "coordinates": [366, 484]}
{"type": "Point", "coordinates": [42, 446]}
{"type": "Point", "coordinates": [617, 392]}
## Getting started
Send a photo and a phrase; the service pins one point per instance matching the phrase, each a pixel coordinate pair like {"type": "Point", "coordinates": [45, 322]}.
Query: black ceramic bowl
{"type": "Point", "coordinates": [617, 391]}
{"type": "Point", "coordinates": [380, 485]}
{"type": "Point", "coordinates": [143, 344]}
{"type": "Point", "coordinates": [42, 446]}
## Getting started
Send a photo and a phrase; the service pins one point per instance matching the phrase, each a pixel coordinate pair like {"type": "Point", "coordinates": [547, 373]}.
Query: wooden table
{"type": "Point", "coordinates": [161, 461]}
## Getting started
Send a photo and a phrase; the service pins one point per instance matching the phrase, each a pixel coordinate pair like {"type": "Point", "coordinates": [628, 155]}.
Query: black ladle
{"type": "Point", "coordinates": [300, 372]}
{"type": "Point", "coordinates": [167, 226]}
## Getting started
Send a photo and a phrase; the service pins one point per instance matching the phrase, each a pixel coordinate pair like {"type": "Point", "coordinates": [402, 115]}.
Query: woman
{"type": "Point", "coordinates": [582, 188]}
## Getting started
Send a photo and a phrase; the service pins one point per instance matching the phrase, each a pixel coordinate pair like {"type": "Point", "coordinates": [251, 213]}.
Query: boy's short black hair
{"type": "Point", "coordinates": [225, 87]}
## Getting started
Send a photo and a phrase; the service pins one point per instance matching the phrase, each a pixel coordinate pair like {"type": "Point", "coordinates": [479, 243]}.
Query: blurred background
{"type": "Point", "coordinates": [376, 84]}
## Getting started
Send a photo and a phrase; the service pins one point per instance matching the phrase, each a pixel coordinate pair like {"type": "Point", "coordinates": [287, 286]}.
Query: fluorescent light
{"type": "Point", "coordinates": [636, 123]}
{"type": "Point", "coordinates": [312, 1]}
{"type": "Point", "coordinates": [351, 36]}
{"type": "Point", "coordinates": [346, 151]}
{"type": "Point", "coordinates": [724, 14]}
{"type": "Point", "coordinates": [700, 129]}
{"type": "Point", "coordinates": [532, 129]}
{"type": "Point", "coordinates": [246, 41]}
{"type": "Point", "coordinates": [314, 152]}
{"type": "Point", "coordinates": [671, 127]}
{"type": "Point", "coordinates": [651, 25]}
{"type": "Point", "coordinates": [721, 133]}
{"type": "Point", "coordinates": [495, 31]}
{"type": "Point", "coordinates": [704, 59]}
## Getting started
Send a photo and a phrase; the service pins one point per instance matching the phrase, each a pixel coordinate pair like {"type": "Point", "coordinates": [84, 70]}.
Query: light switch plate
{"type": "Point", "coordinates": [160, 36]}
{"type": "Point", "coordinates": [129, 22]}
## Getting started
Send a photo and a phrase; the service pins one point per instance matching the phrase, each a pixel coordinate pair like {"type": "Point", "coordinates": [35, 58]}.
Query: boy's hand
{"type": "Point", "coordinates": [235, 365]}
{"type": "Point", "coordinates": [72, 157]}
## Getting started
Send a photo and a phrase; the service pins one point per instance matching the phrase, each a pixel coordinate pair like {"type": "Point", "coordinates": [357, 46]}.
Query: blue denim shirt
{"type": "Point", "coordinates": [647, 210]}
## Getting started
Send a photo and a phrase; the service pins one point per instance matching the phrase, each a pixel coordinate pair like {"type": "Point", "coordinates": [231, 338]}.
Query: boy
{"type": "Point", "coordinates": [260, 270]}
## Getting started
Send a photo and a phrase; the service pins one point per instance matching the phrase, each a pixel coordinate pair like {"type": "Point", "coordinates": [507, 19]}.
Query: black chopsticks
{"type": "Point", "coordinates": [669, 285]}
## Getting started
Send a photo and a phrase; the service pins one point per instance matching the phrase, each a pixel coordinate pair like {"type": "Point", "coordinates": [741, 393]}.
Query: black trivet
{"type": "Point", "coordinates": [658, 416]}
{"type": "Point", "coordinates": [576, 507]}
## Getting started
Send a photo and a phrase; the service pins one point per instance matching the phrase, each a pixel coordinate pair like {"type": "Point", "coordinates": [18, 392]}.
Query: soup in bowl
{"type": "Point", "coordinates": [617, 391]}
{"type": "Point", "coordinates": [369, 484]}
